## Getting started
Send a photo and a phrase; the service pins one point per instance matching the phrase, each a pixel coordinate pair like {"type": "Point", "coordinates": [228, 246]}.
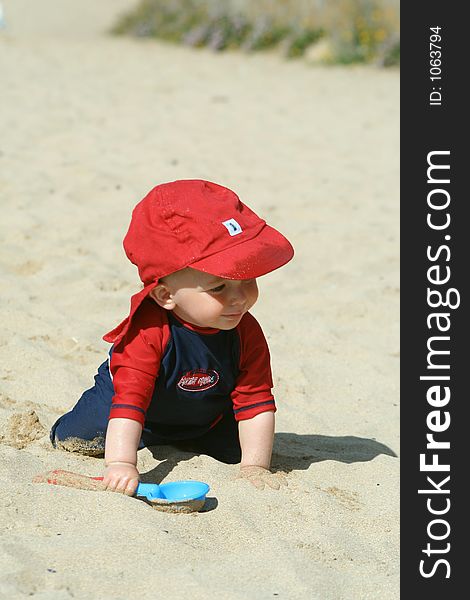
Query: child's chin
{"type": "Point", "coordinates": [227, 323]}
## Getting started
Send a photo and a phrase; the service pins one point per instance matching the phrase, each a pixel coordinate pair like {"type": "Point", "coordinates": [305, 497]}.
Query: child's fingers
{"type": "Point", "coordinates": [252, 476]}
{"type": "Point", "coordinates": [117, 485]}
{"type": "Point", "coordinates": [275, 480]}
{"type": "Point", "coordinates": [126, 486]}
{"type": "Point", "coordinates": [131, 487]}
{"type": "Point", "coordinates": [280, 478]}
{"type": "Point", "coordinates": [121, 478]}
{"type": "Point", "coordinates": [111, 485]}
{"type": "Point", "coordinates": [273, 484]}
{"type": "Point", "coordinates": [121, 486]}
{"type": "Point", "coordinates": [260, 477]}
{"type": "Point", "coordinates": [257, 482]}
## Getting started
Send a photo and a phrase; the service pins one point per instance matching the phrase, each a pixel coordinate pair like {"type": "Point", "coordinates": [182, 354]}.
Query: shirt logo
{"type": "Point", "coordinates": [232, 226]}
{"type": "Point", "coordinates": [198, 380]}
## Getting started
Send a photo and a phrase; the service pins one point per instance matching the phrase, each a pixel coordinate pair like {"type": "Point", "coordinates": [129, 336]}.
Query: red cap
{"type": "Point", "coordinates": [198, 224]}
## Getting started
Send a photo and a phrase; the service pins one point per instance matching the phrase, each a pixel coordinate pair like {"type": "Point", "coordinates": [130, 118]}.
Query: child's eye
{"type": "Point", "coordinates": [217, 289]}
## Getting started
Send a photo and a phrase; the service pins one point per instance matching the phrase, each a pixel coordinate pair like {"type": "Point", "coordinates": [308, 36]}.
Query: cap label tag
{"type": "Point", "coordinates": [232, 226]}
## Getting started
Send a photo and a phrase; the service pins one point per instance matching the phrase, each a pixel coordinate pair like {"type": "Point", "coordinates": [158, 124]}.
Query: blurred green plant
{"type": "Point", "coordinates": [356, 30]}
{"type": "Point", "coordinates": [362, 31]}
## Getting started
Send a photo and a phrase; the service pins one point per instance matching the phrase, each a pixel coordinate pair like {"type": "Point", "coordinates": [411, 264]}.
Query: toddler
{"type": "Point", "coordinates": [189, 364]}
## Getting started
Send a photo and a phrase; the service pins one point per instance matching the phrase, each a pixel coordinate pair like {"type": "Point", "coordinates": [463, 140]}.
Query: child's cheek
{"type": "Point", "coordinates": [254, 296]}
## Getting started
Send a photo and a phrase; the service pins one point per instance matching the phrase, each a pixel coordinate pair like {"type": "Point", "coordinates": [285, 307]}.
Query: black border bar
{"type": "Point", "coordinates": [435, 270]}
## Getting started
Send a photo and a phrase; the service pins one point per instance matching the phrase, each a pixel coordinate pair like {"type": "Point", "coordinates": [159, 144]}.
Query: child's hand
{"type": "Point", "coordinates": [121, 477]}
{"type": "Point", "coordinates": [259, 477]}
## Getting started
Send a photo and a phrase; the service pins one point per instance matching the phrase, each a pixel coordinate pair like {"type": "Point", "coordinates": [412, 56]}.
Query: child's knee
{"type": "Point", "coordinates": [64, 436]}
{"type": "Point", "coordinates": [94, 447]}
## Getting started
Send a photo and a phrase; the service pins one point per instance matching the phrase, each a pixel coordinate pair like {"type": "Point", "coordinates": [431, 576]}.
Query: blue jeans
{"type": "Point", "coordinates": [83, 429]}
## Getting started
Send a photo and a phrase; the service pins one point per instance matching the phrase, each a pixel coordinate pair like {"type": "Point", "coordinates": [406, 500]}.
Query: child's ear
{"type": "Point", "coordinates": [162, 296]}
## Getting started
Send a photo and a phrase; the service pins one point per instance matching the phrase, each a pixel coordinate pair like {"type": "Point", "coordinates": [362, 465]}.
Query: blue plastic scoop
{"type": "Point", "coordinates": [174, 491]}
{"type": "Point", "coordinates": [175, 496]}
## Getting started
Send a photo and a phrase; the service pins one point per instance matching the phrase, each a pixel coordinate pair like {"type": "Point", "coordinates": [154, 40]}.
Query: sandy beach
{"type": "Point", "coordinates": [89, 124]}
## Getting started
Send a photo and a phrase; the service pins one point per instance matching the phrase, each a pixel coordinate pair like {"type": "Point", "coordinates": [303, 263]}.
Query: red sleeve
{"type": "Point", "coordinates": [252, 394]}
{"type": "Point", "coordinates": [135, 362]}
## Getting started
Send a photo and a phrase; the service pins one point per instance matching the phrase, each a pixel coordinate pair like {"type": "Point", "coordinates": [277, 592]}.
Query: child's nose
{"type": "Point", "coordinates": [238, 295]}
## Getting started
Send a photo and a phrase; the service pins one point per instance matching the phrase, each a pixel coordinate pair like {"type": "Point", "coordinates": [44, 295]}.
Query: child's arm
{"type": "Point", "coordinates": [134, 366]}
{"type": "Point", "coordinates": [122, 440]}
{"type": "Point", "coordinates": [256, 441]}
{"type": "Point", "coordinates": [254, 406]}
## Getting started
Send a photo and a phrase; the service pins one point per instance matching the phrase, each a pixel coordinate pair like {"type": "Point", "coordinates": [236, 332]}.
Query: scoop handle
{"type": "Point", "coordinates": [149, 490]}
{"type": "Point", "coordinates": [76, 480]}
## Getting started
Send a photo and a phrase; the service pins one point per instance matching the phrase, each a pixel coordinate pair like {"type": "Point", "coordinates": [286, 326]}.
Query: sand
{"type": "Point", "coordinates": [88, 125]}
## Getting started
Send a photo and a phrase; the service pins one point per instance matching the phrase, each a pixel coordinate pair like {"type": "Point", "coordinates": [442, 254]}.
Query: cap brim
{"type": "Point", "coordinates": [252, 258]}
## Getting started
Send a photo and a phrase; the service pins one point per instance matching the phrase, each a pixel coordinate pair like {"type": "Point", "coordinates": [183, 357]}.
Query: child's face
{"type": "Point", "coordinates": [206, 300]}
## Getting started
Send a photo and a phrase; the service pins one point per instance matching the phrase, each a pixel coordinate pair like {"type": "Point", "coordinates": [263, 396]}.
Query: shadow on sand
{"type": "Point", "coordinates": [294, 451]}
{"type": "Point", "coordinates": [291, 452]}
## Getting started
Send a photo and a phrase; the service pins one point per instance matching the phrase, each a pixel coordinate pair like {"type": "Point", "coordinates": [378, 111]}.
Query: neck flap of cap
{"type": "Point", "coordinates": [115, 335]}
